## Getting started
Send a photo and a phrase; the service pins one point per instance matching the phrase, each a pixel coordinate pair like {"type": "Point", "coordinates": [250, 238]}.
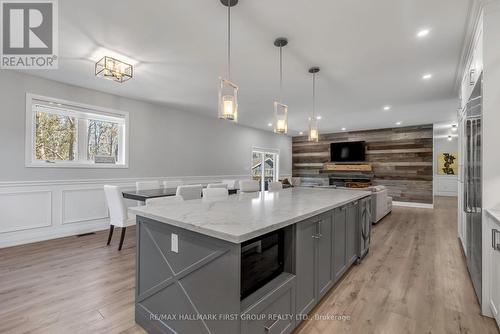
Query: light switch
{"type": "Point", "coordinates": [175, 243]}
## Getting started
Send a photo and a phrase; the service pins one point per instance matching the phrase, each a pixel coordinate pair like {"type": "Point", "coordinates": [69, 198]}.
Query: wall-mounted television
{"type": "Point", "coordinates": [348, 151]}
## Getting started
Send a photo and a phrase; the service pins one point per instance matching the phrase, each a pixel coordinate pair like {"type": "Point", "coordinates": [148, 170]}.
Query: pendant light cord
{"type": "Point", "coordinates": [229, 41]}
{"type": "Point", "coordinates": [314, 94]}
{"type": "Point", "coordinates": [281, 74]}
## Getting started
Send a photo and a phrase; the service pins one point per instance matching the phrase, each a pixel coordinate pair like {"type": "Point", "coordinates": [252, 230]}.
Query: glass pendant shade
{"type": "Point", "coordinates": [313, 130]}
{"type": "Point", "coordinates": [228, 100]}
{"type": "Point", "coordinates": [280, 118]}
{"type": "Point", "coordinates": [113, 69]}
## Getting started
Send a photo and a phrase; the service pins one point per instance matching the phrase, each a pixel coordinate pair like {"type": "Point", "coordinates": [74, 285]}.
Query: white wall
{"type": "Point", "coordinates": [444, 185]}
{"type": "Point", "coordinates": [43, 203]}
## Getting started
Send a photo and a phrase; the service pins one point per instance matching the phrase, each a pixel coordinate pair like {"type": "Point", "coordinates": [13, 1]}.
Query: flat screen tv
{"type": "Point", "coordinates": [348, 151]}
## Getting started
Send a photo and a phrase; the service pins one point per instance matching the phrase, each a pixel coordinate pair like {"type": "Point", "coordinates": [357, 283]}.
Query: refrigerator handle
{"type": "Point", "coordinates": [475, 166]}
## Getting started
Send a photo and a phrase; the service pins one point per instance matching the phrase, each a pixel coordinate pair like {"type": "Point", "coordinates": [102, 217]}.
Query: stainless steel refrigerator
{"type": "Point", "coordinates": [472, 201]}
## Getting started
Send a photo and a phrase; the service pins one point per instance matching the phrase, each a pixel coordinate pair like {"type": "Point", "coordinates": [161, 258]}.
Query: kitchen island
{"type": "Point", "coordinates": [193, 275]}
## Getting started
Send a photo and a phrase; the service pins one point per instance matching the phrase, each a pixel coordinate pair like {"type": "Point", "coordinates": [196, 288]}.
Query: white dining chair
{"type": "Point", "coordinates": [189, 192]}
{"type": "Point", "coordinates": [248, 186]}
{"type": "Point", "coordinates": [215, 194]}
{"type": "Point", "coordinates": [172, 184]}
{"type": "Point", "coordinates": [275, 186]}
{"type": "Point", "coordinates": [231, 184]}
{"type": "Point", "coordinates": [147, 185]}
{"type": "Point", "coordinates": [118, 215]}
{"type": "Point", "coordinates": [159, 201]}
{"type": "Point", "coordinates": [217, 185]}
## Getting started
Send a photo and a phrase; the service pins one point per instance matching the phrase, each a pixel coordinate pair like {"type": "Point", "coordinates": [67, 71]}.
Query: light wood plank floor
{"type": "Point", "coordinates": [414, 280]}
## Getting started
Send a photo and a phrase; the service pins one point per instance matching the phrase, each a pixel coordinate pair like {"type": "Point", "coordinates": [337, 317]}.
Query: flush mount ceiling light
{"type": "Point", "coordinates": [113, 69]}
{"type": "Point", "coordinates": [280, 109]}
{"type": "Point", "coordinates": [399, 123]}
{"type": "Point", "coordinates": [228, 91]}
{"type": "Point", "coordinates": [301, 133]}
{"type": "Point", "coordinates": [387, 108]}
{"type": "Point", "coordinates": [313, 121]}
{"type": "Point", "coordinates": [269, 124]}
{"type": "Point", "coordinates": [343, 129]}
{"type": "Point", "coordinates": [422, 33]}
{"type": "Point", "coordinates": [427, 76]}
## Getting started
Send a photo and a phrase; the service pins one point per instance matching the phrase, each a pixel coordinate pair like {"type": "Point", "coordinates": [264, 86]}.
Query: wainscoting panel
{"type": "Point", "coordinates": [17, 210]}
{"type": "Point", "coordinates": [33, 211]}
{"type": "Point", "coordinates": [401, 159]}
{"type": "Point", "coordinates": [80, 205]}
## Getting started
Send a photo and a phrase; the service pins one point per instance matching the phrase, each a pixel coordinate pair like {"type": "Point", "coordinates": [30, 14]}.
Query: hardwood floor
{"type": "Point", "coordinates": [414, 280]}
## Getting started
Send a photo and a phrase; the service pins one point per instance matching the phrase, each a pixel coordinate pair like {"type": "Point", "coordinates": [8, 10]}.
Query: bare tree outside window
{"type": "Point", "coordinates": [55, 137]}
{"type": "Point", "coordinates": [102, 139]}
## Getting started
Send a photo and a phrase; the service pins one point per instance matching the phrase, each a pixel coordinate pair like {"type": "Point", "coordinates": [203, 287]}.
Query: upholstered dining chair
{"type": "Point", "coordinates": [188, 192]}
{"type": "Point", "coordinates": [248, 186]}
{"type": "Point", "coordinates": [231, 184]}
{"type": "Point", "coordinates": [217, 185]}
{"type": "Point", "coordinates": [146, 185]}
{"type": "Point", "coordinates": [159, 201]}
{"type": "Point", "coordinates": [118, 215]}
{"type": "Point", "coordinates": [215, 193]}
{"type": "Point", "coordinates": [275, 186]}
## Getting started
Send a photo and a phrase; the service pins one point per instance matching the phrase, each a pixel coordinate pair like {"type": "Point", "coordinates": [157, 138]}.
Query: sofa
{"type": "Point", "coordinates": [381, 202]}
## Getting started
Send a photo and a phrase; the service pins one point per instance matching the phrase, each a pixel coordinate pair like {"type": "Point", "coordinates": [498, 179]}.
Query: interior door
{"type": "Point", "coordinates": [265, 167]}
{"type": "Point", "coordinates": [495, 274]}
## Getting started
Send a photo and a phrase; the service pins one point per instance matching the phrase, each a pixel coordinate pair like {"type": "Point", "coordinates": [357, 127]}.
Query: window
{"type": "Point", "coordinates": [265, 166]}
{"type": "Point", "coordinates": [66, 134]}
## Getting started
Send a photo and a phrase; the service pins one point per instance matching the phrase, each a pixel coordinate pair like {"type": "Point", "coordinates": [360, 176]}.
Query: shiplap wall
{"type": "Point", "coordinates": [401, 158]}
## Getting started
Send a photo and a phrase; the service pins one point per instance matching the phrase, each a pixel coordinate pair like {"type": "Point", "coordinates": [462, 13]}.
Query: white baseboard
{"type": "Point", "coordinates": [32, 211]}
{"type": "Point", "coordinates": [413, 205]}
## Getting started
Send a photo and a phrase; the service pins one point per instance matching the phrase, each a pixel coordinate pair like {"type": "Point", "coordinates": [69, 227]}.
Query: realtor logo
{"type": "Point", "coordinates": [29, 34]}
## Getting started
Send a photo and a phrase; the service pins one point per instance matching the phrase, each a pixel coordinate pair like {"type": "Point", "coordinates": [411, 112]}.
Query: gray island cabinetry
{"type": "Point", "coordinates": [191, 271]}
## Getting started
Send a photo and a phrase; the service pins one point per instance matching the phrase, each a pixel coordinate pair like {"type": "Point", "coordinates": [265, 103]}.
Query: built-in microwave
{"type": "Point", "coordinates": [262, 259]}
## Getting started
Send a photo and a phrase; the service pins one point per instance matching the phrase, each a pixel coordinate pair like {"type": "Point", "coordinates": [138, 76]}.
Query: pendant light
{"type": "Point", "coordinates": [280, 110]}
{"type": "Point", "coordinates": [228, 91]}
{"type": "Point", "coordinates": [313, 122]}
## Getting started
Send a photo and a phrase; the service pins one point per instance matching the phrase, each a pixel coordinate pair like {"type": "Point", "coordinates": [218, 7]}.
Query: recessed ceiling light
{"type": "Point", "coordinates": [269, 124]}
{"type": "Point", "coordinates": [301, 133]}
{"type": "Point", "coordinates": [423, 33]}
{"type": "Point", "coordinates": [343, 129]}
{"type": "Point", "coordinates": [453, 127]}
{"type": "Point", "coordinates": [387, 108]}
{"type": "Point", "coordinates": [427, 76]}
{"type": "Point", "coordinates": [318, 117]}
{"type": "Point", "coordinates": [450, 138]}
{"type": "Point", "coordinates": [399, 123]}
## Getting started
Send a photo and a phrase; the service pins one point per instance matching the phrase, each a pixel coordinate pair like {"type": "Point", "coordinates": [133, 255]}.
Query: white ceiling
{"type": "Point", "coordinates": [367, 50]}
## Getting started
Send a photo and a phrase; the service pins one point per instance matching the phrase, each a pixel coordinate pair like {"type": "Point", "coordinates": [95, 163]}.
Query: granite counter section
{"type": "Point", "coordinates": [244, 216]}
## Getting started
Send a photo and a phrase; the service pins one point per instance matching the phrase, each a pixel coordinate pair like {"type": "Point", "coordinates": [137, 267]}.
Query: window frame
{"type": "Point", "coordinates": [30, 134]}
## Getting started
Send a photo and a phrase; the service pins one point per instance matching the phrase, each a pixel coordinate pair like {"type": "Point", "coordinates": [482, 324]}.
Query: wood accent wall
{"type": "Point", "coordinates": [401, 159]}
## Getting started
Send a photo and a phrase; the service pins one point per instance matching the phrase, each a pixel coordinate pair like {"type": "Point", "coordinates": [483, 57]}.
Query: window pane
{"type": "Point", "coordinates": [256, 166]}
{"type": "Point", "coordinates": [55, 137]}
{"type": "Point", "coordinates": [102, 139]}
{"type": "Point", "coordinates": [269, 167]}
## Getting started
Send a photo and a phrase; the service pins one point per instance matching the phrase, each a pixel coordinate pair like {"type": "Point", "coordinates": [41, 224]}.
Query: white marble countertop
{"type": "Point", "coordinates": [244, 216]}
{"type": "Point", "coordinates": [495, 214]}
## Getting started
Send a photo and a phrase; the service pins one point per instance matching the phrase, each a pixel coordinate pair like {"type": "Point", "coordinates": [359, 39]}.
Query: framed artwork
{"type": "Point", "coordinates": [448, 163]}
